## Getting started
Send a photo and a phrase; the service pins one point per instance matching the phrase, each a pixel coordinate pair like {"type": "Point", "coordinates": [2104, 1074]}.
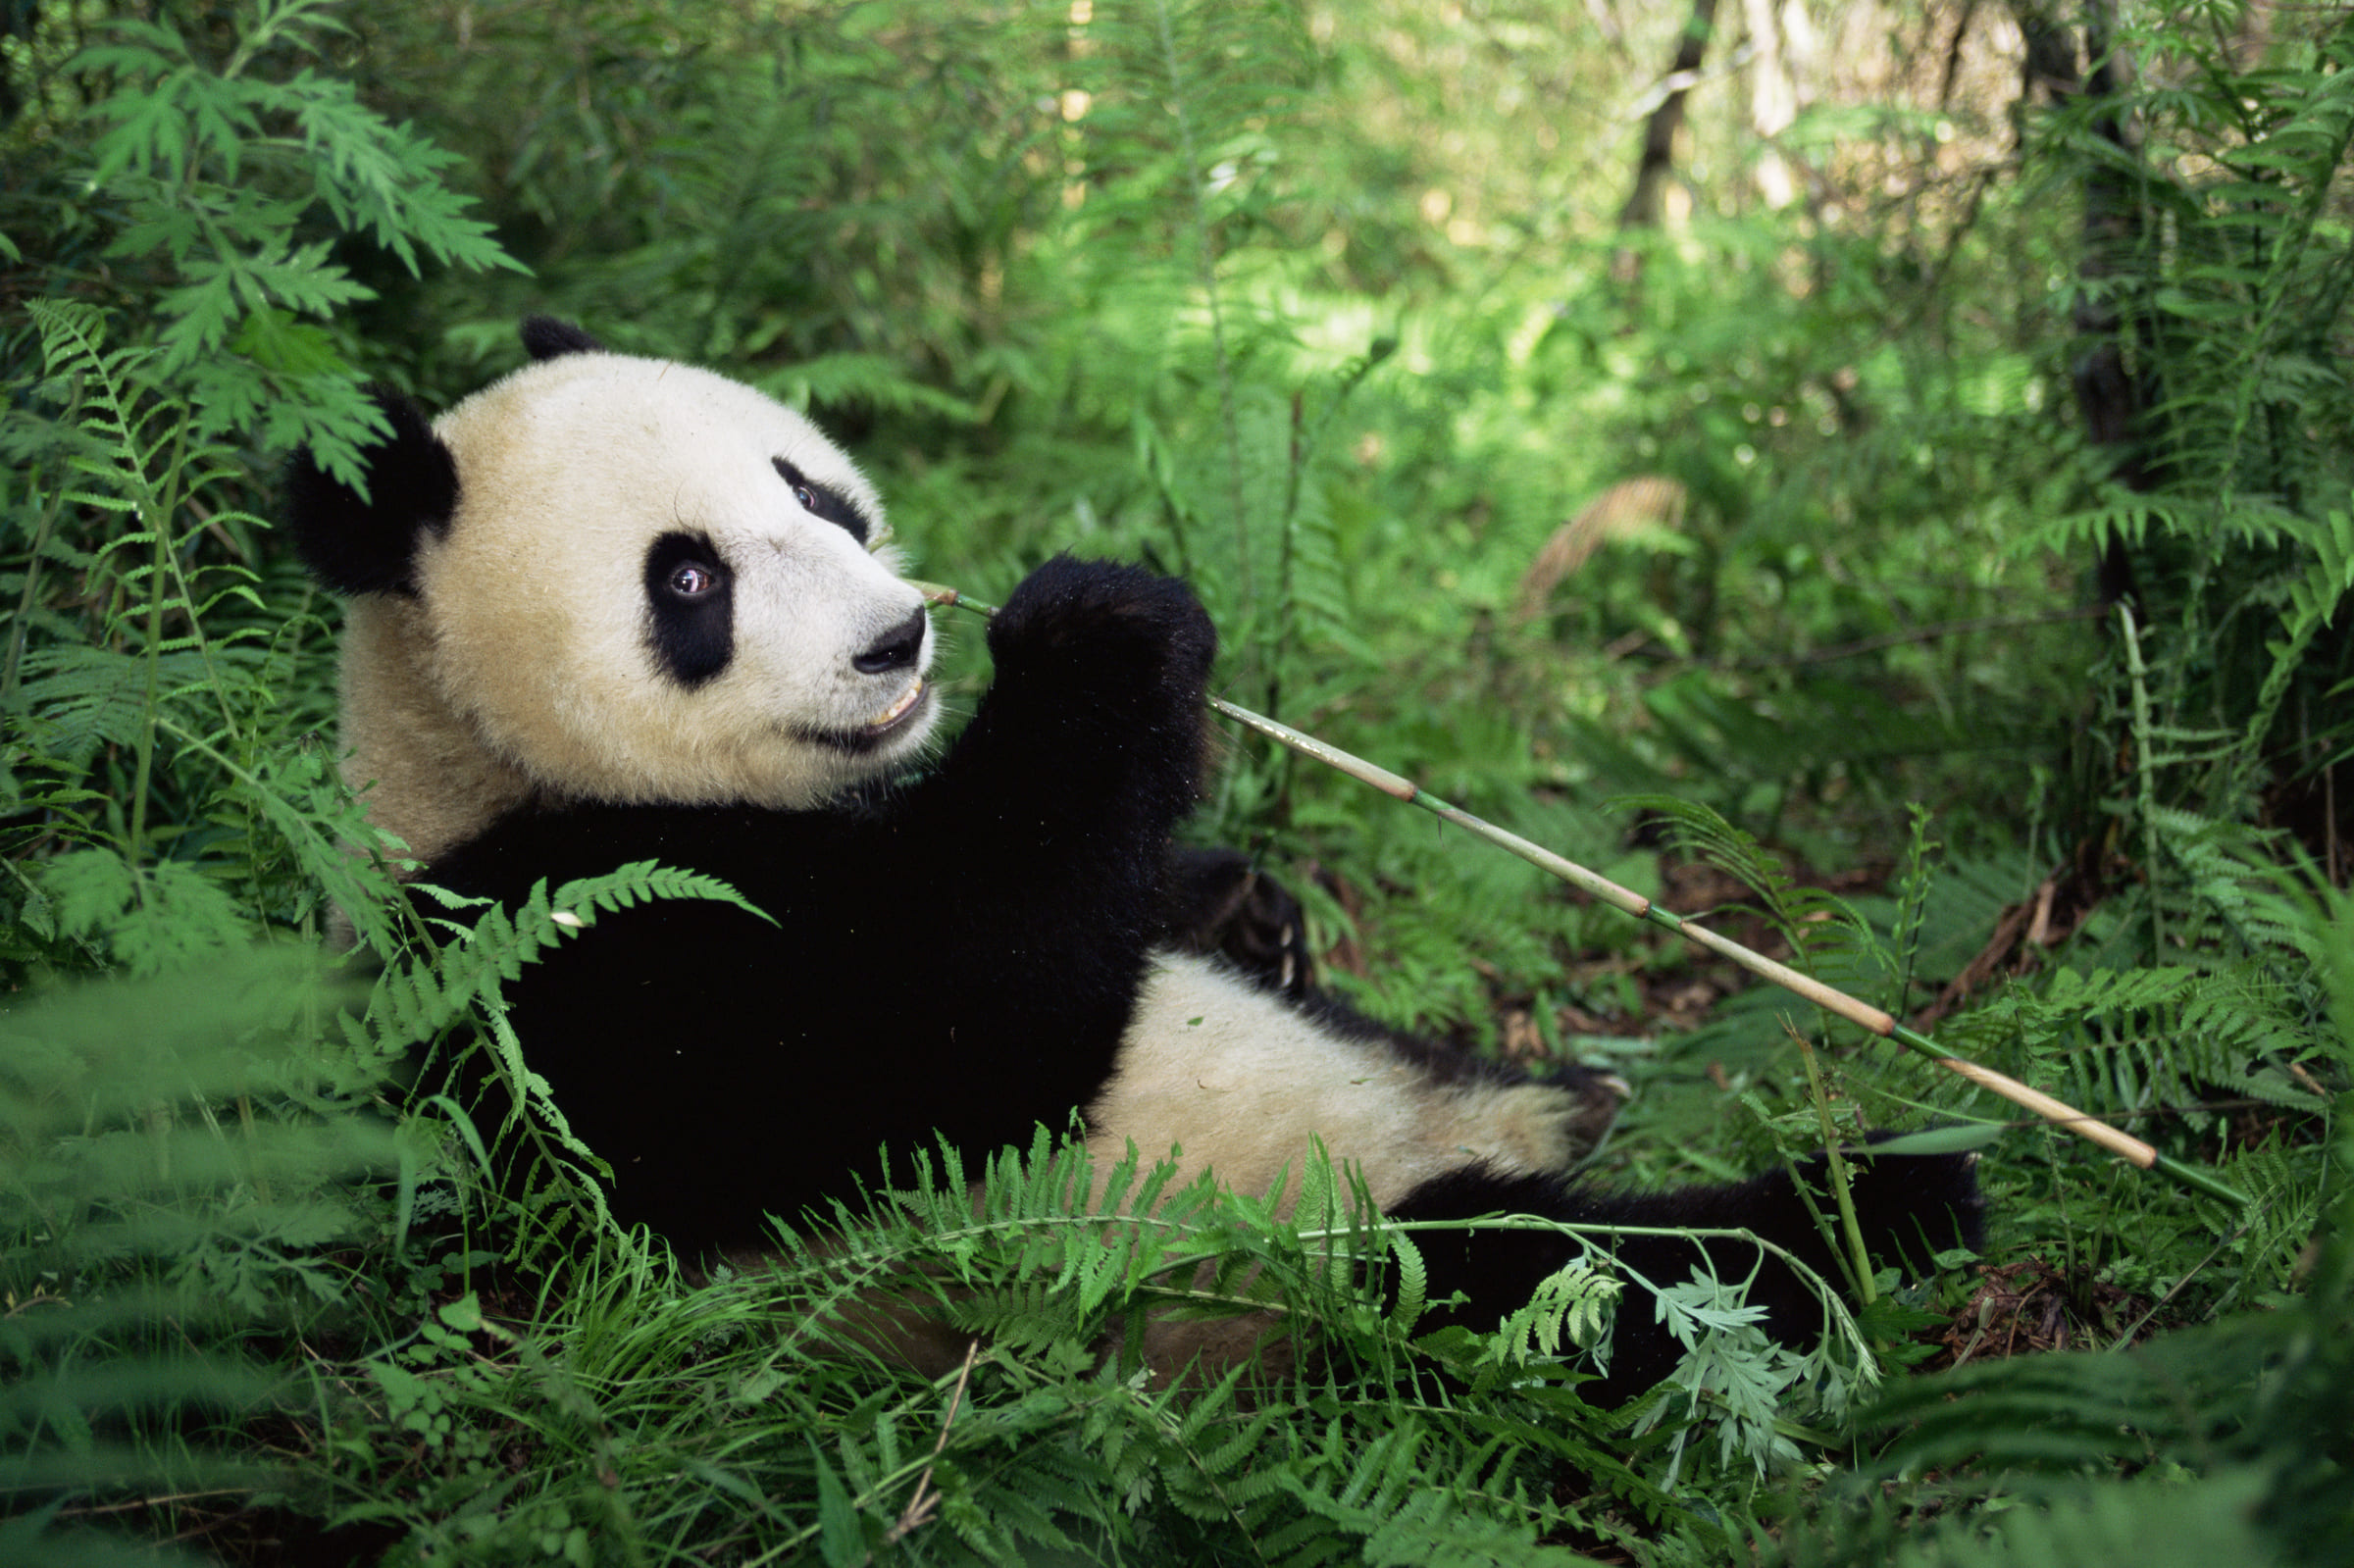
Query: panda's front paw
{"type": "Point", "coordinates": [1116, 621]}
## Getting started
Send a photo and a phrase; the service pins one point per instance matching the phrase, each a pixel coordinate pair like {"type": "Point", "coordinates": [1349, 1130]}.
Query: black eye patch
{"type": "Point", "coordinates": [825, 501]}
{"type": "Point", "coordinates": [691, 600]}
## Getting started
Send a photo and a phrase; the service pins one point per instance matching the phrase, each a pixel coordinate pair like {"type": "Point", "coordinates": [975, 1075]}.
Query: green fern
{"type": "Point", "coordinates": [178, 1172]}
{"type": "Point", "coordinates": [216, 166]}
{"type": "Point", "coordinates": [789, 1436]}
{"type": "Point", "coordinates": [419, 1000]}
{"type": "Point", "coordinates": [1828, 937]}
{"type": "Point", "coordinates": [2235, 1429]}
{"type": "Point", "coordinates": [1915, 885]}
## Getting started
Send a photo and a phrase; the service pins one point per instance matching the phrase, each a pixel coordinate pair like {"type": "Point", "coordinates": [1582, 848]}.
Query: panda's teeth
{"type": "Point", "coordinates": [906, 700]}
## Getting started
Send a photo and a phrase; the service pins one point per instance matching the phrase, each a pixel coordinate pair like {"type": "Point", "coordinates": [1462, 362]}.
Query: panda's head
{"type": "Point", "coordinates": [615, 579]}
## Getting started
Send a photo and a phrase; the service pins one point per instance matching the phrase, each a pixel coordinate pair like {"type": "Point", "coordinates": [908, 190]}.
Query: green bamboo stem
{"type": "Point", "coordinates": [1836, 1002]}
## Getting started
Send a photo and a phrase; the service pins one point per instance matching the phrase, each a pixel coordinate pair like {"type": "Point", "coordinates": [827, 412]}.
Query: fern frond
{"type": "Point", "coordinates": [1830, 940]}
{"type": "Point", "coordinates": [422, 998]}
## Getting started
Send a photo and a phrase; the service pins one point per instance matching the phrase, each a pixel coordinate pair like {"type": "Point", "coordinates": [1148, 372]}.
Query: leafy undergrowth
{"type": "Point", "coordinates": [300, 1334]}
{"type": "Point", "coordinates": [374, 1383]}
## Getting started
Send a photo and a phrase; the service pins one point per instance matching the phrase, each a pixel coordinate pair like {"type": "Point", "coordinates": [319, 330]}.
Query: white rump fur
{"type": "Point", "coordinates": [1241, 1083]}
{"type": "Point", "coordinates": [523, 666]}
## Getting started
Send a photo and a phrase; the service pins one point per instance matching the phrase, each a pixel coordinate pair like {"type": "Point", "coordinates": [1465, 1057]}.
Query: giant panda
{"type": "Point", "coordinates": [614, 609]}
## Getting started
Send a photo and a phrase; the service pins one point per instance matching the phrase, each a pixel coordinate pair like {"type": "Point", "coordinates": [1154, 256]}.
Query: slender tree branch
{"type": "Point", "coordinates": [1836, 1002]}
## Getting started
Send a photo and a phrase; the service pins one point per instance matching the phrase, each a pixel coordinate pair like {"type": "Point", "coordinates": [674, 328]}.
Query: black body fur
{"type": "Point", "coordinates": [960, 952]}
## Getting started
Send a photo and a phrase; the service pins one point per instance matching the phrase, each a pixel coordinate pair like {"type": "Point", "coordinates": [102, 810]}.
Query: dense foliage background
{"type": "Point", "coordinates": [1879, 472]}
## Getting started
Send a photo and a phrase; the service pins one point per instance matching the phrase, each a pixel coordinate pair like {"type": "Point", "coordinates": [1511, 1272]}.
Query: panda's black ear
{"type": "Point", "coordinates": [357, 545]}
{"type": "Point", "coordinates": [545, 337]}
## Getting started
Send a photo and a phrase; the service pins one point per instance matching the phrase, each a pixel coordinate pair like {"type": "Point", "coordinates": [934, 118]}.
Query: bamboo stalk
{"type": "Point", "coordinates": [2124, 1145]}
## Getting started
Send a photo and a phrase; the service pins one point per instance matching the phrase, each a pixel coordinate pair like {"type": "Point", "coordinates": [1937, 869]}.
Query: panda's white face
{"type": "Point", "coordinates": [660, 585]}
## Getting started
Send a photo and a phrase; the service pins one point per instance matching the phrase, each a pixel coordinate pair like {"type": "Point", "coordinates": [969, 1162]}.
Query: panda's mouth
{"type": "Point", "coordinates": [891, 716]}
{"type": "Point", "coordinates": [904, 711]}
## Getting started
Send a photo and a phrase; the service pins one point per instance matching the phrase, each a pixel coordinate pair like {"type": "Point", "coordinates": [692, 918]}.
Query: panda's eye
{"type": "Point", "coordinates": [690, 581]}
{"type": "Point", "coordinates": [823, 502]}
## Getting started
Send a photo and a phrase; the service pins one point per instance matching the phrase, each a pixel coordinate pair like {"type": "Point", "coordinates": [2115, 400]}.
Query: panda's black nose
{"type": "Point", "coordinates": [894, 649]}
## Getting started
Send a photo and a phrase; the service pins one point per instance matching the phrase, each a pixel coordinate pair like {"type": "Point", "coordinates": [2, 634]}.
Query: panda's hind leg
{"type": "Point", "coordinates": [1909, 1207]}
{"type": "Point", "coordinates": [1546, 1119]}
{"type": "Point", "coordinates": [1248, 1084]}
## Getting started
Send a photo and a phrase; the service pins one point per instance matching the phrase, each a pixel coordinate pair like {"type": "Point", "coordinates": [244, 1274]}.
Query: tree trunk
{"type": "Point", "coordinates": [2113, 372]}
{"type": "Point", "coordinates": [1642, 209]}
